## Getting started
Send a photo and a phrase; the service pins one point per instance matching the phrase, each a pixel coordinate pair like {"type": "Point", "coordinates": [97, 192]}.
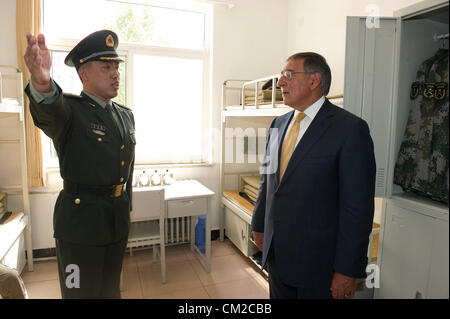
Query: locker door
{"type": "Point", "coordinates": [405, 262]}
{"type": "Point", "coordinates": [438, 282]}
{"type": "Point", "coordinates": [369, 84]}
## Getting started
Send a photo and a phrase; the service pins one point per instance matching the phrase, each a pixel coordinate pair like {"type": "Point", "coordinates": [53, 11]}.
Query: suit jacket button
{"type": "Point", "coordinates": [99, 139]}
{"type": "Point", "coordinates": [121, 179]}
{"type": "Point", "coordinates": [123, 163]}
{"type": "Point", "coordinates": [77, 201]}
{"type": "Point", "coordinates": [122, 147]}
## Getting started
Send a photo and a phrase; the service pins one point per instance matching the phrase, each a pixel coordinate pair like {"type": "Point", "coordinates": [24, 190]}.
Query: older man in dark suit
{"type": "Point", "coordinates": [314, 211]}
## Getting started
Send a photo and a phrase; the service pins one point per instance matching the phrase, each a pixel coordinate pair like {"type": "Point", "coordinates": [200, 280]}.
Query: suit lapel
{"type": "Point", "coordinates": [315, 131]}
{"type": "Point", "coordinates": [103, 115]}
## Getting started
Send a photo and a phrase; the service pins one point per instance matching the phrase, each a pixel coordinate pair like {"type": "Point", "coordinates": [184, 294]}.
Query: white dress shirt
{"type": "Point", "coordinates": [310, 113]}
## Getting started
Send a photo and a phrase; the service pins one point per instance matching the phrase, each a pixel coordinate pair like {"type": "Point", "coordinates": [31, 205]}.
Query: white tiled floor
{"type": "Point", "coordinates": [232, 276]}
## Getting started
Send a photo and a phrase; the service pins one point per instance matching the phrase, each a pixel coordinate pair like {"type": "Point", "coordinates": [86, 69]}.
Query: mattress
{"type": "Point", "coordinates": [240, 201]}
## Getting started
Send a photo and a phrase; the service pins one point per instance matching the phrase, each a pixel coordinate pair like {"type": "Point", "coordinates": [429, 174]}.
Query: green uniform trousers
{"type": "Point", "coordinates": [90, 272]}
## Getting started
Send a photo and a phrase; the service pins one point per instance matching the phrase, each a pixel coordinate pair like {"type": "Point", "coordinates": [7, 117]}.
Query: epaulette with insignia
{"type": "Point", "coordinates": [72, 96]}
{"type": "Point", "coordinates": [122, 106]}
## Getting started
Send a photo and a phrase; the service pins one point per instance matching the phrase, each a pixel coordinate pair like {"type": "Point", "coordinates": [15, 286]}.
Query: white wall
{"type": "Point", "coordinates": [250, 39]}
{"type": "Point", "coordinates": [320, 26]}
{"type": "Point", "coordinates": [246, 47]}
{"type": "Point", "coordinates": [8, 54]}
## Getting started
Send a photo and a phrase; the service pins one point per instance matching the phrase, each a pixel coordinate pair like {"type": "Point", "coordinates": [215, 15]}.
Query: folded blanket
{"type": "Point", "coordinates": [253, 198]}
{"type": "Point", "coordinates": [253, 181]}
{"type": "Point", "coordinates": [2, 203]}
{"type": "Point", "coordinates": [252, 103]}
{"type": "Point", "coordinates": [266, 94]}
{"type": "Point", "coordinates": [251, 190]}
{"type": "Point", "coordinates": [263, 96]}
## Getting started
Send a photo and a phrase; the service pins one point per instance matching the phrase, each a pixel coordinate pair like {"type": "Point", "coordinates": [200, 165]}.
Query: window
{"type": "Point", "coordinates": [173, 106]}
{"type": "Point", "coordinates": [165, 79]}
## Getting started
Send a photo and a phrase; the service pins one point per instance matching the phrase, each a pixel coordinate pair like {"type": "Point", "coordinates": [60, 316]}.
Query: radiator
{"type": "Point", "coordinates": [177, 230]}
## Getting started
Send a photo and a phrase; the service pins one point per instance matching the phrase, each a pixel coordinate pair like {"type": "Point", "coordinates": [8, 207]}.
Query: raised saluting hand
{"type": "Point", "coordinates": [38, 61]}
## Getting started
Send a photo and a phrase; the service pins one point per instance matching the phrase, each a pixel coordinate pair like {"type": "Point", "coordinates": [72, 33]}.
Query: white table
{"type": "Point", "coordinates": [188, 198]}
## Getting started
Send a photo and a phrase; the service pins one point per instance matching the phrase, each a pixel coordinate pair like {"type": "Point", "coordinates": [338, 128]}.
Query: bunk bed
{"type": "Point", "coordinates": [246, 104]}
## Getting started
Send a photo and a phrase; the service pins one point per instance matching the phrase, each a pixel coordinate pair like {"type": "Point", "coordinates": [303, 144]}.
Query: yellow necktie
{"type": "Point", "coordinates": [289, 143]}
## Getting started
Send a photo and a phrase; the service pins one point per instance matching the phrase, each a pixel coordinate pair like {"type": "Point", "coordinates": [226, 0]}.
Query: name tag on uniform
{"type": "Point", "coordinates": [132, 131]}
{"type": "Point", "coordinates": [98, 132]}
{"type": "Point", "coordinates": [98, 129]}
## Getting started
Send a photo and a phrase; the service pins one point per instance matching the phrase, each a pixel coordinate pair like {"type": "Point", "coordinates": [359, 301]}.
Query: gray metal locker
{"type": "Point", "coordinates": [381, 64]}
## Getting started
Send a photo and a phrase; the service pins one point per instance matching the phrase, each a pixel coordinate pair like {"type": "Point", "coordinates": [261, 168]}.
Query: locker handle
{"type": "Point", "coordinates": [418, 295]}
{"type": "Point", "coordinates": [242, 234]}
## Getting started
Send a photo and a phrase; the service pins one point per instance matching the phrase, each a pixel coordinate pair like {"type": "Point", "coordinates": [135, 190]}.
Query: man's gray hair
{"type": "Point", "coordinates": [315, 63]}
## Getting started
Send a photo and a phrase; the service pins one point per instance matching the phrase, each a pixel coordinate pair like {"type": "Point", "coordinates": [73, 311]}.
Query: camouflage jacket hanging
{"type": "Point", "coordinates": [422, 165]}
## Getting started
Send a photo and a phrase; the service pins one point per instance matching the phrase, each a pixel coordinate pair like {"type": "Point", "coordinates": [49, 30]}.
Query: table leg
{"type": "Point", "coordinates": [166, 230]}
{"type": "Point", "coordinates": [222, 223]}
{"type": "Point", "coordinates": [192, 221]}
{"type": "Point", "coordinates": [208, 236]}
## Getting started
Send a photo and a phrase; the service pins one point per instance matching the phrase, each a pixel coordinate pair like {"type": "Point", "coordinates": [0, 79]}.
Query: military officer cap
{"type": "Point", "coordinates": [98, 46]}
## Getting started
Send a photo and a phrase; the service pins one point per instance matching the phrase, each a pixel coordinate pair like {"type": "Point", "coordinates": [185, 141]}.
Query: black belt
{"type": "Point", "coordinates": [113, 190]}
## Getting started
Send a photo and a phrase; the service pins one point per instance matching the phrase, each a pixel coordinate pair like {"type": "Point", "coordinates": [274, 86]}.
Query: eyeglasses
{"type": "Point", "coordinates": [288, 74]}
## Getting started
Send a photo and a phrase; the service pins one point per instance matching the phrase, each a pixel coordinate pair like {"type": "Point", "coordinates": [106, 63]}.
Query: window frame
{"type": "Point", "coordinates": [130, 49]}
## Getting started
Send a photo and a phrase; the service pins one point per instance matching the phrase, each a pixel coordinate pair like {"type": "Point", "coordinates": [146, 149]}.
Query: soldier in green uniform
{"type": "Point", "coordinates": [94, 139]}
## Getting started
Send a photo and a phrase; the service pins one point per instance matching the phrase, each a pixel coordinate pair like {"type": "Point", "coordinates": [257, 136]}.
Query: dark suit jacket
{"type": "Point", "coordinates": [319, 216]}
{"type": "Point", "coordinates": [90, 151]}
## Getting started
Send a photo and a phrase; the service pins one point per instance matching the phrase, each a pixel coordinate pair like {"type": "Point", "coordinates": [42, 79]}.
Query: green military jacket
{"type": "Point", "coordinates": [91, 152]}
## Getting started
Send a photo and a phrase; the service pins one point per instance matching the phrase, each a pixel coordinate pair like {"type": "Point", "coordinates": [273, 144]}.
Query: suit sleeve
{"type": "Point", "coordinates": [356, 199]}
{"type": "Point", "coordinates": [259, 211]}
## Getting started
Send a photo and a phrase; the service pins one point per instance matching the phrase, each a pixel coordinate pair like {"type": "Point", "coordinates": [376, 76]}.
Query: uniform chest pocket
{"type": "Point", "coordinates": [98, 135]}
